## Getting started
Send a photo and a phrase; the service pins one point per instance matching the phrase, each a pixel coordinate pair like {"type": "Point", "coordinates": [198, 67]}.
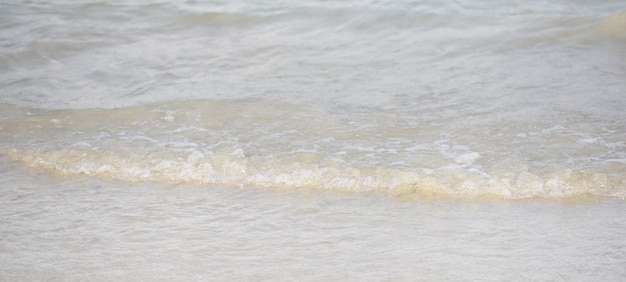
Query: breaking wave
{"type": "Point", "coordinates": [277, 145]}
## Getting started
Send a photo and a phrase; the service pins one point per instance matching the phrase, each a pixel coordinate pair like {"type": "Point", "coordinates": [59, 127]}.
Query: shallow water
{"type": "Point", "coordinates": [87, 229]}
{"type": "Point", "coordinates": [378, 140]}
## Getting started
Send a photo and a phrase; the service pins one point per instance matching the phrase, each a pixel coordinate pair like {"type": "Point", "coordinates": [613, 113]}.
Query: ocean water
{"type": "Point", "coordinates": [313, 140]}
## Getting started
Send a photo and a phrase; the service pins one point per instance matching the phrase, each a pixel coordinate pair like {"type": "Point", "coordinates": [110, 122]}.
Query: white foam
{"type": "Point", "coordinates": [233, 170]}
{"type": "Point", "coordinates": [467, 158]}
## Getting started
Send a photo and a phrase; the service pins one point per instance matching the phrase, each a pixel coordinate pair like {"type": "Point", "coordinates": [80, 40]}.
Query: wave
{"type": "Point", "coordinates": [304, 172]}
{"type": "Point", "coordinates": [277, 145]}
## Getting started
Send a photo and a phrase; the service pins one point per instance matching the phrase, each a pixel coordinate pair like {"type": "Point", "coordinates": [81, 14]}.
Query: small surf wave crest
{"type": "Point", "coordinates": [309, 171]}
{"type": "Point", "coordinates": [279, 145]}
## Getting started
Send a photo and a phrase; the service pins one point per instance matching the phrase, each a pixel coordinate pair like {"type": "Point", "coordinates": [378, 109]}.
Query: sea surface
{"type": "Point", "coordinates": [313, 140]}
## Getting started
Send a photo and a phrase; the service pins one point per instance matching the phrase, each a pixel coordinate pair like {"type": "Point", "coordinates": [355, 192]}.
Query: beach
{"type": "Point", "coordinates": [339, 141]}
